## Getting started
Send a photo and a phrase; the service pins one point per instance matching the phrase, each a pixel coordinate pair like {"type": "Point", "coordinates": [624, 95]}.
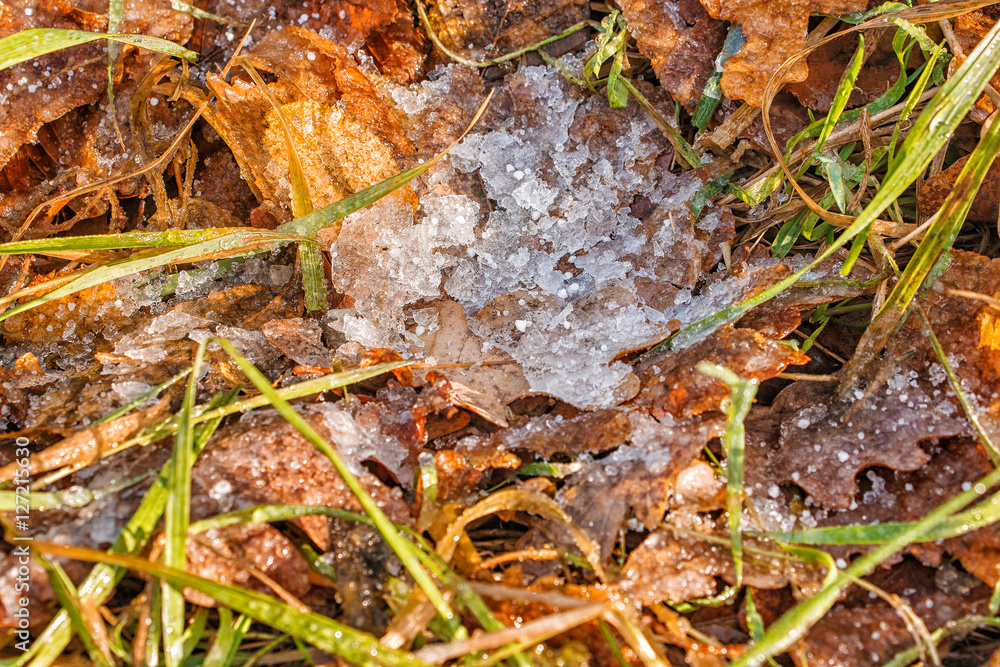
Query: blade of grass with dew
{"type": "Point", "coordinates": [178, 517]}
{"type": "Point", "coordinates": [711, 94]}
{"type": "Point", "coordinates": [74, 497]}
{"type": "Point", "coordinates": [184, 7]}
{"type": "Point", "coordinates": [979, 516]}
{"type": "Point", "coordinates": [607, 43]}
{"type": "Point", "coordinates": [101, 581]}
{"type": "Point", "coordinates": [322, 632]}
{"type": "Point", "coordinates": [313, 276]}
{"type": "Point", "coordinates": [227, 639]}
{"type": "Point", "coordinates": [271, 513]}
{"type": "Point", "coordinates": [937, 240]}
{"type": "Point", "coordinates": [28, 44]}
{"type": "Point", "coordinates": [403, 549]}
{"type": "Point", "coordinates": [134, 403]}
{"type": "Point", "coordinates": [125, 240]}
{"type": "Point", "coordinates": [116, 10]}
{"type": "Point", "coordinates": [931, 129]}
{"type": "Point", "coordinates": [195, 631]}
{"type": "Point", "coordinates": [970, 410]}
{"type": "Point", "coordinates": [68, 601]}
{"type": "Point", "coordinates": [229, 244]}
{"type": "Point", "coordinates": [911, 102]}
{"type": "Point", "coordinates": [794, 624]}
{"type": "Point", "coordinates": [168, 426]}
{"type": "Point", "coordinates": [684, 150]}
{"type": "Point", "coordinates": [842, 95]}
{"type": "Point", "coordinates": [741, 395]}
{"type": "Point", "coordinates": [310, 256]}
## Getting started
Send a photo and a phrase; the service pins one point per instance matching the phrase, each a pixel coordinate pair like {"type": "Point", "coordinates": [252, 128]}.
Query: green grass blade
{"type": "Point", "coordinates": [322, 632]}
{"type": "Point", "coordinates": [842, 95]}
{"type": "Point", "coordinates": [176, 237]}
{"type": "Point", "coordinates": [936, 242]}
{"type": "Point", "coordinates": [741, 395]}
{"type": "Point", "coordinates": [103, 578]}
{"type": "Point", "coordinates": [313, 276]}
{"type": "Point", "coordinates": [133, 404]}
{"type": "Point", "coordinates": [403, 549]}
{"type": "Point", "coordinates": [28, 44]}
{"type": "Point", "coordinates": [195, 631]}
{"type": "Point", "coordinates": [930, 131]}
{"type": "Point", "coordinates": [116, 10]}
{"type": "Point", "coordinates": [971, 412]}
{"type": "Point", "coordinates": [68, 601]}
{"type": "Point", "coordinates": [683, 149]}
{"type": "Point", "coordinates": [179, 6]}
{"type": "Point", "coordinates": [227, 639]}
{"type": "Point", "coordinates": [178, 513]}
{"type": "Point", "coordinates": [230, 244]}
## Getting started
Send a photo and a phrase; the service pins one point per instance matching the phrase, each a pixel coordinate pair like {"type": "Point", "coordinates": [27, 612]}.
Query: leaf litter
{"type": "Point", "coordinates": [531, 283]}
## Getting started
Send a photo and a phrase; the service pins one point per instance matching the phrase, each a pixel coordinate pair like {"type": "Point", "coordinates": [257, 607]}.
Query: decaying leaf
{"type": "Point", "coordinates": [249, 464]}
{"type": "Point", "coordinates": [970, 28]}
{"type": "Point", "coordinates": [774, 30]}
{"type": "Point", "coordinates": [90, 444]}
{"type": "Point", "coordinates": [484, 381]}
{"type": "Point", "coordinates": [238, 555]}
{"type": "Point", "coordinates": [821, 445]}
{"type": "Point", "coordinates": [681, 41]}
{"type": "Point", "coordinates": [986, 204]}
{"type": "Point", "coordinates": [864, 632]}
{"type": "Point", "coordinates": [673, 385]}
{"type": "Point", "coordinates": [345, 138]}
{"type": "Point", "coordinates": [826, 67]}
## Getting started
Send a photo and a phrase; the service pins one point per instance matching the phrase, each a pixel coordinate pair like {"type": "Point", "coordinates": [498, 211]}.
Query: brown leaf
{"type": "Point", "coordinates": [399, 49]}
{"type": "Point", "coordinates": [864, 632]}
{"type": "Point", "coordinates": [496, 27]}
{"type": "Point", "coordinates": [775, 30]}
{"type": "Point", "coordinates": [907, 400]}
{"type": "Point", "coordinates": [345, 137]}
{"type": "Point", "coordinates": [484, 381]}
{"type": "Point", "coordinates": [985, 205]}
{"type": "Point", "coordinates": [671, 383]}
{"type": "Point", "coordinates": [681, 41]}
{"type": "Point", "coordinates": [300, 340]}
{"type": "Point", "coordinates": [970, 28]}
{"type": "Point", "coordinates": [230, 556]}
{"type": "Point", "coordinates": [827, 65]}
{"type": "Point", "coordinates": [264, 460]}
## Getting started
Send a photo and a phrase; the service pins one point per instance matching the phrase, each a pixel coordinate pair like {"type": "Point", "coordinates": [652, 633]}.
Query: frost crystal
{"type": "Point", "coordinates": [591, 234]}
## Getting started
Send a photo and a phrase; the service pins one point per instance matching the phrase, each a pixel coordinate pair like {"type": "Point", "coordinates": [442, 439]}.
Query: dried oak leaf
{"type": "Point", "coordinates": [496, 27]}
{"type": "Point", "coordinates": [300, 340]}
{"type": "Point", "coordinates": [345, 137]}
{"type": "Point", "coordinates": [775, 30]}
{"type": "Point", "coordinates": [233, 554]}
{"type": "Point", "coordinates": [262, 459]}
{"type": "Point", "coordinates": [822, 444]}
{"type": "Point", "coordinates": [864, 632]}
{"type": "Point", "coordinates": [484, 381]}
{"type": "Point", "coordinates": [681, 41]}
{"type": "Point", "coordinates": [985, 205]}
{"type": "Point", "coordinates": [671, 383]}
